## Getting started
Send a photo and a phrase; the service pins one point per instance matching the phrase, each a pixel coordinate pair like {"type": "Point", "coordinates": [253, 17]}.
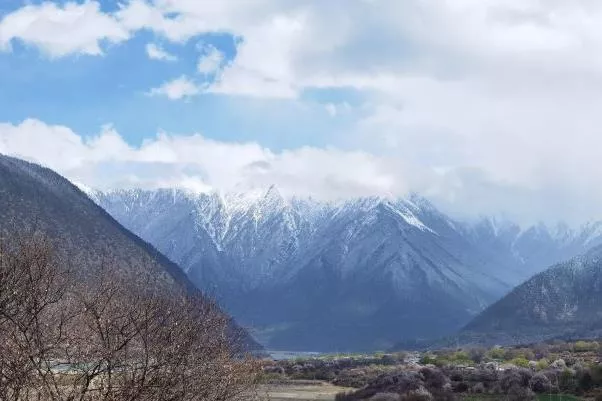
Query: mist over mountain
{"type": "Point", "coordinates": [357, 274]}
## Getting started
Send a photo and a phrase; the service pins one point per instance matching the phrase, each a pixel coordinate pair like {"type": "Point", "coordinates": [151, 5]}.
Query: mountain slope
{"type": "Point", "coordinates": [367, 276]}
{"type": "Point", "coordinates": [36, 198]}
{"type": "Point", "coordinates": [358, 274]}
{"type": "Point", "coordinates": [564, 300]}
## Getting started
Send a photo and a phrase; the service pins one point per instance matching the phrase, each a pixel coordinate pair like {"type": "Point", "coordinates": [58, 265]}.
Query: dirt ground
{"type": "Point", "coordinates": [301, 391]}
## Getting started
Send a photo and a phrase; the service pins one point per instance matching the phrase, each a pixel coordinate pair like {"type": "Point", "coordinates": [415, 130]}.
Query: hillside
{"type": "Point", "coordinates": [563, 301]}
{"type": "Point", "coordinates": [36, 198]}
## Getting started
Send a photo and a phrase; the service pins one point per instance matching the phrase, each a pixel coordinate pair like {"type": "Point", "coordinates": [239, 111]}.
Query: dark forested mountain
{"type": "Point", "coordinates": [33, 198]}
{"type": "Point", "coordinates": [564, 300]}
{"type": "Point", "coordinates": [36, 198]}
{"type": "Point", "coordinates": [357, 274]}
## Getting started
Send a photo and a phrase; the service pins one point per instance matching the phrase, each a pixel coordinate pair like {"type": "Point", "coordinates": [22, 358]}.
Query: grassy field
{"type": "Point", "coordinates": [301, 391]}
{"type": "Point", "coordinates": [320, 391]}
{"type": "Point", "coordinates": [541, 397]}
{"type": "Point", "coordinates": [557, 397]}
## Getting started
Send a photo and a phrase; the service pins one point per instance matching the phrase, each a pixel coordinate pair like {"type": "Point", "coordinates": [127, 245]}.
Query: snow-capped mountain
{"type": "Point", "coordinates": [356, 274]}
{"type": "Point", "coordinates": [564, 300]}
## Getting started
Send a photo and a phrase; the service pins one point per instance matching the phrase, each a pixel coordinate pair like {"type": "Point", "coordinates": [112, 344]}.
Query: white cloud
{"type": "Point", "coordinates": [468, 97]}
{"type": "Point", "coordinates": [201, 164]}
{"type": "Point", "coordinates": [177, 21]}
{"type": "Point", "coordinates": [179, 88]}
{"type": "Point", "coordinates": [265, 64]}
{"type": "Point", "coordinates": [62, 30]}
{"type": "Point", "coordinates": [210, 61]}
{"type": "Point", "coordinates": [195, 162]}
{"type": "Point", "coordinates": [155, 52]}
{"type": "Point", "coordinates": [331, 109]}
{"type": "Point", "coordinates": [337, 109]}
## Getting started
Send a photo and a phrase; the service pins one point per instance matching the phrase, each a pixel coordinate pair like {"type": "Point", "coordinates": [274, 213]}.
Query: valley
{"type": "Point", "coordinates": [359, 274]}
{"type": "Point", "coordinates": [553, 370]}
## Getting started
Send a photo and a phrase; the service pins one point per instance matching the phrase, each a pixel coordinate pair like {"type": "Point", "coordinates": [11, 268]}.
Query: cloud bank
{"type": "Point", "coordinates": [486, 105]}
{"type": "Point", "coordinates": [194, 162]}
{"type": "Point", "coordinates": [197, 163]}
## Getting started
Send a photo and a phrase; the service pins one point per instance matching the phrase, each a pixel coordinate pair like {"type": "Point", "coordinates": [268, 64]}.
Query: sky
{"type": "Point", "coordinates": [486, 107]}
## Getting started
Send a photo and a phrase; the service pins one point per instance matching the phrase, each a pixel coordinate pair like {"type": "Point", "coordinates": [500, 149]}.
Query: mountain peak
{"type": "Point", "coordinates": [273, 195]}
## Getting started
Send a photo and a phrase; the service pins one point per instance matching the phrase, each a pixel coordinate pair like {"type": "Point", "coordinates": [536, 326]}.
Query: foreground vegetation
{"type": "Point", "coordinates": [552, 371]}
{"type": "Point", "coordinates": [115, 333]}
{"type": "Point", "coordinates": [109, 333]}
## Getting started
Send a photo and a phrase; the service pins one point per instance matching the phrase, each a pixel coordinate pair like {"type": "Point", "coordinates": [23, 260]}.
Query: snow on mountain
{"type": "Point", "coordinates": [355, 274]}
{"type": "Point", "coordinates": [562, 301]}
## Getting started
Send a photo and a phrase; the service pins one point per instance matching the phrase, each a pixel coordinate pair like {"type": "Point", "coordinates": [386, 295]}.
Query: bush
{"type": "Point", "coordinates": [428, 359]}
{"type": "Point", "coordinates": [541, 351]}
{"type": "Point", "coordinates": [496, 353]}
{"type": "Point", "coordinates": [584, 346]}
{"type": "Point", "coordinates": [460, 356]}
{"type": "Point", "coordinates": [567, 381]}
{"type": "Point", "coordinates": [520, 362]}
{"type": "Point", "coordinates": [540, 383]}
{"type": "Point", "coordinates": [420, 394]}
{"type": "Point", "coordinates": [519, 393]}
{"type": "Point", "coordinates": [359, 377]}
{"type": "Point", "coordinates": [478, 388]}
{"type": "Point", "coordinates": [434, 378]}
{"type": "Point", "coordinates": [477, 354]}
{"type": "Point", "coordinates": [528, 354]}
{"type": "Point", "coordinates": [596, 372]}
{"type": "Point", "coordinates": [512, 353]}
{"type": "Point", "coordinates": [515, 377]}
{"type": "Point", "coordinates": [542, 364]}
{"type": "Point", "coordinates": [460, 387]}
{"type": "Point", "coordinates": [585, 380]}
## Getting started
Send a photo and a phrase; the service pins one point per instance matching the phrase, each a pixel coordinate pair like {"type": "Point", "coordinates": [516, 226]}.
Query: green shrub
{"type": "Point", "coordinates": [496, 353]}
{"type": "Point", "coordinates": [520, 362]}
{"type": "Point", "coordinates": [428, 359]}
{"type": "Point", "coordinates": [460, 356]}
{"type": "Point", "coordinates": [542, 364]}
{"type": "Point", "coordinates": [585, 346]}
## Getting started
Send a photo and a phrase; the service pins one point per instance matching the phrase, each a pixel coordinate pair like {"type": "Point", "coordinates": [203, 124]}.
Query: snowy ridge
{"type": "Point", "coordinates": [360, 260]}
{"type": "Point", "coordinates": [563, 300]}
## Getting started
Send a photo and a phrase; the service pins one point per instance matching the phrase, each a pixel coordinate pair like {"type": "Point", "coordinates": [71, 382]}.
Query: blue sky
{"type": "Point", "coordinates": [85, 92]}
{"type": "Point", "coordinates": [484, 106]}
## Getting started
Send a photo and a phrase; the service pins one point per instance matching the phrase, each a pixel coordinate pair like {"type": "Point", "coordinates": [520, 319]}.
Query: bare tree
{"type": "Point", "coordinates": [113, 333]}
{"type": "Point", "coordinates": [33, 284]}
